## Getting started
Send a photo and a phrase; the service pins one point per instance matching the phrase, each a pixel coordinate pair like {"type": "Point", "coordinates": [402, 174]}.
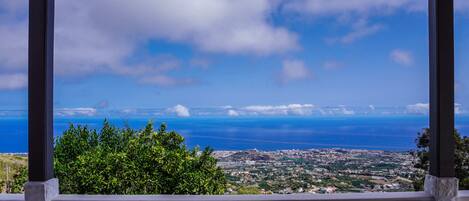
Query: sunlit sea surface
{"type": "Point", "coordinates": [394, 133]}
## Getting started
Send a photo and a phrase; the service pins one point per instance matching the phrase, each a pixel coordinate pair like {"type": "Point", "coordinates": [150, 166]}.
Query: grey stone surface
{"type": "Point", "coordinates": [442, 188]}
{"type": "Point", "coordinates": [41, 191]}
{"type": "Point", "coordinates": [398, 196]}
{"type": "Point", "coordinates": [407, 196]}
{"type": "Point", "coordinates": [463, 195]}
{"type": "Point", "coordinates": [11, 197]}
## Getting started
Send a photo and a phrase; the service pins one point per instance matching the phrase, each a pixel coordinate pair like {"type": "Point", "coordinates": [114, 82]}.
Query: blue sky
{"type": "Point", "coordinates": [143, 57]}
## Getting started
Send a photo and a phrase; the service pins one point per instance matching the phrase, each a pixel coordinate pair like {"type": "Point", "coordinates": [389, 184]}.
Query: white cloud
{"type": "Point", "coordinates": [208, 25]}
{"type": "Point", "coordinates": [461, 5]}
{"type": "Point", "coordinates": [201, 63]}
{"type": "Point", "coordinates": [13, 48]}
{"type": "Point", "coordinates": [354, 14]}
{"type": "Point", "coordinates": [180, 111]}
{"type": "Point", "coordinates": [418, 108]}
{"type": "Point", "coordinates": [458, 109]}
{"type": "Point", "coordinates": [359, 28]}
{"type": "Point", "coordinates": [233, 113]}
{"type": "Point", "coordinates": [343, 110]}
{"type": "Point", "coordinates": [128, 111]}
{"type": "Point", "coordinates": [424, 108]}
{"type": "Point", "coordinates": [76, 112]}
{"type": "Point", "coordinates": [298, 109]}
{"type": "Point", "coordinates": [14, 113]}
{"type": "Point", "coordinates": [360, 32]}
{"type": "Point", "coordinates": [166, 81]}
{"type": "Point", "coordinates": [13, 81]}
{"type": "Point", "coordinates": [13, 51]}
{"type": "Point", "coordinates": [340, 7]}
{"type": "Point", "coordinates": [372, 107]}
{"type": "Point", "coordinates": [402, 57]}
{"type": "Point", "coordinates": [149, 64]}
{"type": "Point", "coordinates": [332, 65]}
{"type": "Point", "coordinates": [294, 70]}
{"type": "Point", "coordinates": [338, 110]}
{"type": "Point", "coordinates": [362, 7]}
{"type": "Point", "coordinates": [291, 109]}
{"type": "Point", "coordinates": [13, 29]}
{"type": "Point", "coordinates": [88, 40]}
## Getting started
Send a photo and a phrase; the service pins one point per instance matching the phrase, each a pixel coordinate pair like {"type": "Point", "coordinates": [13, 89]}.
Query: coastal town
{"type": "Point", "coordinates": [317, 171]}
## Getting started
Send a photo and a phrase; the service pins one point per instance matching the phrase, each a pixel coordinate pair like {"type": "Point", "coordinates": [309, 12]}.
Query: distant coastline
{"type": "Point", "coordinates": [15, 154]}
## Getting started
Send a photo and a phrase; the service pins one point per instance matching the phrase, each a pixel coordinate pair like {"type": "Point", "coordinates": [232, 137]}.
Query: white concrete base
{"type": "Point", "coordinates": [442, 188]}
{"type": "Point", "coordinates": [41, 191]}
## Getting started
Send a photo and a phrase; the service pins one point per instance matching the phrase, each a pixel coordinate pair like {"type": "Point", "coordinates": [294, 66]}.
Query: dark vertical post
{"type": "Point", "coordinates": [441, 87]}
{"type": "Point", "coordinates": [40, 88]}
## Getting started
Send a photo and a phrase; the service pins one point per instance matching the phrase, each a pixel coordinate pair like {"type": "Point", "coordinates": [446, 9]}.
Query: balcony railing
{"type": "Point", "coordinates": [403, 196]}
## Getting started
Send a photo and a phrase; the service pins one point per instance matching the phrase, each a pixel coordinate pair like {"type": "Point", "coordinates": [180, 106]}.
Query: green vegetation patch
{"type": "Point", "coordinates": [10, 168]}
{"type": "Point", "coordinates": [127, 161]}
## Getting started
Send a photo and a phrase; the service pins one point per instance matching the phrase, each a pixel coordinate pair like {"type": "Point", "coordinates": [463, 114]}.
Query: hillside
{"type": "Point", "coordinates": [9, 166]}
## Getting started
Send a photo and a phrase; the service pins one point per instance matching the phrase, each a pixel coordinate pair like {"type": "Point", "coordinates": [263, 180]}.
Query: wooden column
{"type": "Point", "coordinates": [441, 34]}
{"type": "Point", "coordinates": [40, 89]}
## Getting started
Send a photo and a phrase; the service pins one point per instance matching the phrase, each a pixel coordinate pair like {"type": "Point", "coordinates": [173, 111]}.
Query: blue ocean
{"type": "Point", "coordinates": [394, 133]}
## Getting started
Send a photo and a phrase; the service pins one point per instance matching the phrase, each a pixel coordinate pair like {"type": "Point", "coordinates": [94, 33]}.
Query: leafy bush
{"type": "Point", "coordinates": [19, 179]}
{"type": "Point", "coordinates": [461, 158]}
{"type": "Point", "coordinates": [125, 161]}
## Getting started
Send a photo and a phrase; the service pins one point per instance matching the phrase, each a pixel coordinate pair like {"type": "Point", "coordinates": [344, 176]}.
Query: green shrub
{"type": "Point", "coordinates": [125, 161]}
{"type": "Point", "coordinates": [461, 159]}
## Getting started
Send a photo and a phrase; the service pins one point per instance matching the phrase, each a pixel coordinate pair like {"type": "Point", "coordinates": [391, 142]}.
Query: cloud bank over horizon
{"type": "Point", "coordinates": [289, 110]}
